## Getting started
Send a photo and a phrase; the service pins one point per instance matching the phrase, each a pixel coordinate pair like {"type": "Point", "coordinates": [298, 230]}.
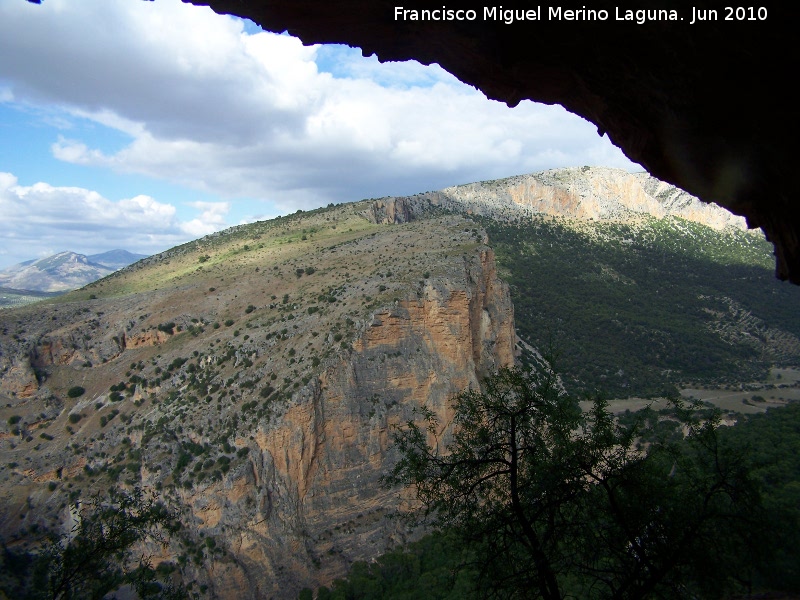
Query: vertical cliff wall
{"type": "Point", "coordinates": [310, 501]}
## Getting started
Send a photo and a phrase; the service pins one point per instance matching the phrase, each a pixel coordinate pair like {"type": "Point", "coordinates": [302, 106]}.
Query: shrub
{"type": "Point", "coordinates": [13, 420]}
{"type": "Point", "coordinates": [74, 418]}
{"type": "Point", "coordinates": [228, 322]}
{"type": "Point", "coordinates": [75, 392]}
{"type": "Point", "coordinates": [168, 328]}
{"type": "Point", "coordinates": [177, 363]}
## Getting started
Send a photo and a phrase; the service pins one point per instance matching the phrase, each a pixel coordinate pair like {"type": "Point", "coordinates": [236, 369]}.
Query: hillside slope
{"type": "Point", "coordinates": [638, 286]}
{"type": "Point", "coordinates": [252, 376]}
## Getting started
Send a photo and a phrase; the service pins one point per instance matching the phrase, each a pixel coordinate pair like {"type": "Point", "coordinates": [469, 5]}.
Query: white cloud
{"type": "Point", "coordinates": [41, 219]}
{"type": "Point", "coordinates": [211, 219]}
{"type": "Point", "coordinates": [210, 107]}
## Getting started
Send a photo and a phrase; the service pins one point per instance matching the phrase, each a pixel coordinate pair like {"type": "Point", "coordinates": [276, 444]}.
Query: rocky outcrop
{"type": "Point", "coordinates": [394, 210]}
{"type": "Point", "coordinates": [584, 193]}
{"type": "Point", "coordinates": [309, 501]}
{"type": "Point", "coordinates": [18, 378]}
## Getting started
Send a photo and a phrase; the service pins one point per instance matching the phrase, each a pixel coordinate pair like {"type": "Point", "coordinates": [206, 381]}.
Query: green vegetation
{"type": "Point", "coordinates": [449, 564]}
{"type": "Point", "coordinates": [11, 298]}
{"type": "Point", "coordinates": [638, 309]}
{"type": "Point", "coordinates": [432, 568]}
{"type": "Point", "coordinates": [75, 392]}
{"type": "Point", "coordinates": [563, 503]}
{"type": "Point", "coordinates": [98, 557]}
{"type": "Point", "coordinates": [534, 499]}
{"type": "Point", "coordinates": [168, 328]}
{"type": "Point", "coordinates": [772, 440]}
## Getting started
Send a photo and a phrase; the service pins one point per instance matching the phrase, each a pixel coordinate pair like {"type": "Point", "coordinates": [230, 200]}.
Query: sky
{"type": "Point", "coordinates": [142, 125]}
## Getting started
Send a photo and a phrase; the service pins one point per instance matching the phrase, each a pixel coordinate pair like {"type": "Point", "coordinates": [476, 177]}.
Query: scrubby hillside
{"type": "Point", "coordinates": [251, 376]}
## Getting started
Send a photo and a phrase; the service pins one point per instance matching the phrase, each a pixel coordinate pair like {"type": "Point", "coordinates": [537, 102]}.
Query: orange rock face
{"type": "Point", "coordinates": [313, 501]}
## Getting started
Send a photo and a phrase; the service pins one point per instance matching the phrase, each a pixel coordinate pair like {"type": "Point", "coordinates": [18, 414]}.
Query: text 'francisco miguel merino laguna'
{"type": "Point", "coordinates": [558, 13]}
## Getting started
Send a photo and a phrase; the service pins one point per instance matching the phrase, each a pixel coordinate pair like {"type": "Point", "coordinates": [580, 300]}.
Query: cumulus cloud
{"type": "Point", "coordinates": [209, 106]}
{"type": "Point", "coordinates": [211, 218]}
{"type": "Point", "coordinates": [42, 219]}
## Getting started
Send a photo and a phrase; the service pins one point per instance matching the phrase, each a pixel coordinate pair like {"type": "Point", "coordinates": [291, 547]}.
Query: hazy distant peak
{"type": "Point", "coordinates": [65, 270]}
{"type": "Point", "coordinates": [116, 259]}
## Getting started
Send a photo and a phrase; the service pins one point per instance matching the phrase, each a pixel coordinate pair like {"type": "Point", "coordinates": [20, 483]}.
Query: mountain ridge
{"type": "Point", "coordinates": [583, 193]}
{"type": "Point", "coordinates": [65, 270]}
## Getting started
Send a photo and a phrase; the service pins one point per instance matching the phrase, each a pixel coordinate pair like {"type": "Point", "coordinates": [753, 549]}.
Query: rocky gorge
{"type": "Point", "coordinates": [253, 377]}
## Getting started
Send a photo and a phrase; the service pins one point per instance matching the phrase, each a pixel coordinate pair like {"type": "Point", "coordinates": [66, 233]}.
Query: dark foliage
{"type": "Point", "coordinates": [434, 568]}
{"type": "Point", "coordinates": [772, 440]}
{"type": "Point", "coordinates": [636, 307]}
{"type": "Point", "coordinates": [100, 555]}
{"type": "Point", "coordinates": [555, 503]}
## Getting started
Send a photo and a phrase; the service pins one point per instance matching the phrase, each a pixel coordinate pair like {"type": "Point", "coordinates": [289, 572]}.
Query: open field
{"type": "Point", "coordinates": [781, 388]}
{"type": "Point", "coordinates": [10, 297]}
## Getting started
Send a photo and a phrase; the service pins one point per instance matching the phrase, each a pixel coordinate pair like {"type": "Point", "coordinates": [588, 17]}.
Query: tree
{"type": "Point", "coordinates": [102, 553]}
{"type": "Point", "coordinates": [560, 503]}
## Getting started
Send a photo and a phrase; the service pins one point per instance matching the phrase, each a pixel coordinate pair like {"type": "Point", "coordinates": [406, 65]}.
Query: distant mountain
{"type": "Point", "coordinates": [65, 271]}
{"type": "Point", "coordinates": [116, 259]}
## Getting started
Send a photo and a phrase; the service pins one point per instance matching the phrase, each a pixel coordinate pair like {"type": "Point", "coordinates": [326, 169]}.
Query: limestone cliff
{"type": "Point", "coordinates": [310, 501]}
{"type": "Point", "coordinates": [584, 193]}
{"type": "Point", "coordinates": [256, 387]}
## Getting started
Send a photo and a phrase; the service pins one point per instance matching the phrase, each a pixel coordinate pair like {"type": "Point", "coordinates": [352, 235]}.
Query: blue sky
{"type": "Point", "coordinates": [119, 129]}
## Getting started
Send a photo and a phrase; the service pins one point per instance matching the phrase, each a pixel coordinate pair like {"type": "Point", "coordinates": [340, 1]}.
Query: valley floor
{"type": "Point", "coordinates": [782, 387]}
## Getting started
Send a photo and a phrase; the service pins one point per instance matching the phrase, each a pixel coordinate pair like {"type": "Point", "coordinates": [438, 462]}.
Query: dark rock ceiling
{"type": "Point", "coordinates": [707, 106]}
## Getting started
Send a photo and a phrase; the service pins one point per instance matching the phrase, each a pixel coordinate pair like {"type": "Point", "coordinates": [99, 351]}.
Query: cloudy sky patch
{"type": "Point", "coordinates": [50, 219]}
{"type": "Point", "coordinates": [223, 122]}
